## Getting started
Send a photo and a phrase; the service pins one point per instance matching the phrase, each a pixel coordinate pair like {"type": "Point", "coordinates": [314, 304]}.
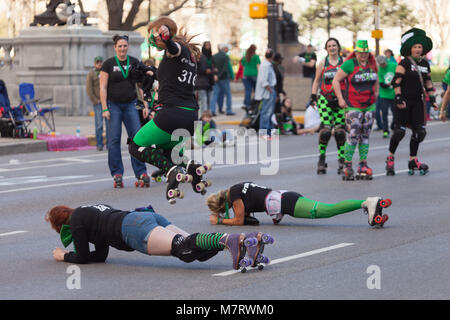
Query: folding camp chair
{"type": "Point", "coordinates": [12, 121]}
{"type": "Point", "coordinates": [45, 115]}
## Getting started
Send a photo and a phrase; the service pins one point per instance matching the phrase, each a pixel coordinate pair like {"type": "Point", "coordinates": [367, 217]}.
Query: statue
{"type": "Point", "coordinates": [57, 13]}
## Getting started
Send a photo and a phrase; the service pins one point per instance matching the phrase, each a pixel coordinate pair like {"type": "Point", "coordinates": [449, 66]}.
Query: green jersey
{"type": "Point", "coordinates": [385, 75]}
{"type": "Point", "coordinates": [447, 77]}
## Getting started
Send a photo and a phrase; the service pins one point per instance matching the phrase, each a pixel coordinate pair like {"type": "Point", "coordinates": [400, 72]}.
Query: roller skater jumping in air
{"type": "Point", "coordinates": [178, 108]}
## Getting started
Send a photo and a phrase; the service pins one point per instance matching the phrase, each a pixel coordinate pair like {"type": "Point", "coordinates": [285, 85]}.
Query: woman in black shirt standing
{"type": "Point", "coordinates": [141, 229]}
{"type": "Point", "coordinates": [118, 98]}
{"type": "Point", "coordinates": [156, 141]}
{"type": "Point", "coordinates": [412, 79]}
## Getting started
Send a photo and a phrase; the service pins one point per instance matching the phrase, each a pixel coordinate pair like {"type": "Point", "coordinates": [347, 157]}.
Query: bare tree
{"type": "Point", "coordinates": [437, 25]}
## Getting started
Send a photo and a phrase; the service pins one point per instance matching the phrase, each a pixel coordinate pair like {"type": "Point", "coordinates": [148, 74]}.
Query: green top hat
{"type": "Point", "coordinates": [412, 37]}
{"type": "Point", "coordinates": [362, 46]}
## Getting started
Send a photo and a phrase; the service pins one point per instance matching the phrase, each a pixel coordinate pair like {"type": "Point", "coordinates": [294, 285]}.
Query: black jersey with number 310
{"type": "Point", "coordinates": [177, 78]}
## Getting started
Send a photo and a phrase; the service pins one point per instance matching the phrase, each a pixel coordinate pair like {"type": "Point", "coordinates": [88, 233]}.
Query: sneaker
{"type": "Point", "coordinates": [231, 114]}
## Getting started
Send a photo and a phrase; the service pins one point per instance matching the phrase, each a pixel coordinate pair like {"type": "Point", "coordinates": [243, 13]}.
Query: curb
{"type": "Point", "coordinates": [23, 147]}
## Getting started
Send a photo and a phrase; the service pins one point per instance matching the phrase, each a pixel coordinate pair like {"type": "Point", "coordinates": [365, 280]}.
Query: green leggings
{"type": "Point", "coordinates": [311, 209]}
{"type": "Point", "coordinates": [158, 145]}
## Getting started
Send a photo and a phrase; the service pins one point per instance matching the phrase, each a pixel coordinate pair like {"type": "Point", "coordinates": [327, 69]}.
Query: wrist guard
{"type": "Point", "coordinates": [398, 99]}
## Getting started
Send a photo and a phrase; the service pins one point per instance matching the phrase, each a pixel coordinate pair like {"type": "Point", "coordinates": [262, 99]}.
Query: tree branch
{"type": "Point", "coordinates": [181, 5]}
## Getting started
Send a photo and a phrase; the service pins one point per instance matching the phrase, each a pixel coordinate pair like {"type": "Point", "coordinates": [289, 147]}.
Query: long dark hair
{"type": "Point", "coordinates": [250, 52]}
{"type": "Point", "coordinates": [337, 42]}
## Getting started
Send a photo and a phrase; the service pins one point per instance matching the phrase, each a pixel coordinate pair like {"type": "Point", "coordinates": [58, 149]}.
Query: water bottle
{"type": "Point", "coordinates": [78, 131]}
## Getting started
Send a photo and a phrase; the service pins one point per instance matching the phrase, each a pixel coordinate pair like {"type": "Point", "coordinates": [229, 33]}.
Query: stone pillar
{"type": "Point", "coordinates": [296, 87]}
{"type": "Point", "coordinates": [57, 60]}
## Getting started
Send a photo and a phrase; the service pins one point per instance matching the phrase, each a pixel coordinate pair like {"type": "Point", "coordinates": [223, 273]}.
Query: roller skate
{"type": "Point", "coordinates": [195, 173]}
{"type": "Point", "coordinates": [175, 176]}
{"type": "Point", "coordinates": [364, 172]}
{"type": "Point", "coordinates": [373, 206]}
{"type": "Point", "coordinates": [255, 242]}
{"type": "Point", "coordinates": [118, 181]}
{"type": "Point", "coordinates": [340, 169]}
{"type": "Point", "coordinates": [390, 166]}
{"type": "Point", "coordinates": [238, 247]}
{"type": "Point", "coordinates": [348, 172]}
{"type": "Point", "coordinates": [157, 175]}
{"type": "Point", "coordinates": [143, 181]}
{"type": "Point", "coordinates": [322, 165]}
{"type": "Point", "coordinates": [414, 165]}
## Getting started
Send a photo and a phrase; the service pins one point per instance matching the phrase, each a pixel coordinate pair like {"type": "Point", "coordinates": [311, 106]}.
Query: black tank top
{"type": "Point", "coordinates": [177, 78]}
{"type": "Point", "coordinates": [253, 196]}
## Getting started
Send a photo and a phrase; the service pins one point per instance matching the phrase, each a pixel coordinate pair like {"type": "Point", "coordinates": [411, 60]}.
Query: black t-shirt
{"type": "Point", "coordinates": [411, 87]}
{"type": "Point", "coordinates": [253, 196]}
{"type": "Point", "coordinates": [100, 225]}
{"type": "Point", "coordinates": [309, 72]}
{"type": "Point", "coordinates": [177, 78]}
{"type": "Point", "coordinates": [120, 90]}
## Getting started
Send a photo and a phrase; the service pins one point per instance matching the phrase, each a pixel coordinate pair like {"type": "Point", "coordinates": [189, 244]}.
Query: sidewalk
{"type": "Point", "coordinates": [68, 126]}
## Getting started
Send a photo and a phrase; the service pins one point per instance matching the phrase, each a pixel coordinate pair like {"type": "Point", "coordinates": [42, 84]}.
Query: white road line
{"type": "Point", "coordinates": [289, 258]}
{"type": "Point", "coordinates": [11, 233]}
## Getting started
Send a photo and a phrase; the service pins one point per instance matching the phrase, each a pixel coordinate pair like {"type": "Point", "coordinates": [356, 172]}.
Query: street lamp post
{"type": "Point", "coordinates": [272, 17]}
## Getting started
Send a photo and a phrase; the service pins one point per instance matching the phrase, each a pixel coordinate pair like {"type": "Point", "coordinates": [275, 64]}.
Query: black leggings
{"type": "Point", "coordinates": [413, 116]}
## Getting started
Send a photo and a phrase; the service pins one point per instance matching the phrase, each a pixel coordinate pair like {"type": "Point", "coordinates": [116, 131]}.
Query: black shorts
{"type": "Point", "coordinates": [412, 116]}
{"type": "Point", "coordinates": [171, 118]}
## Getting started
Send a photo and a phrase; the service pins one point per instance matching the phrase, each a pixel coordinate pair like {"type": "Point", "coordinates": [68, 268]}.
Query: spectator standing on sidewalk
{"type": "Point", "coordinates": [265, 92]}
{"type": "Point", "coordinates": [250, 63]}
{"type": "Point", "coordinates": [223, 76]}
{"type": "Point", "coordinates": [385, 101]}
{"type": "Point", "coordinates": [93, 91]}
{"type": "Point", "coordinates": [118, 97]}
{"type": "Point", "coordinates": [309, 59]}
{"type": "Point", "coordinates": [205, 77]}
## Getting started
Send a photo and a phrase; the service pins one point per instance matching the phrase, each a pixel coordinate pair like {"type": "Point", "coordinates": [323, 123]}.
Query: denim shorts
{"type": "Point", "coordinates": [137, 226]}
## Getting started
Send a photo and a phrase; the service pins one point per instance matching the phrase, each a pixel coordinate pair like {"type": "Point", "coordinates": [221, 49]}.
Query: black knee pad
{"type": "Point", "coordinates": [419, 135]}
{"type": "Point", "coordinates": [398, 135]}
{"type": "Point", "coordinates": [183, 248]}
{"type": "Point", "coordinates": [324, 135]}
{"type": "Point", "coordinates": [133, 148]}
{"type": "Point", "coordinates": [339, 135]}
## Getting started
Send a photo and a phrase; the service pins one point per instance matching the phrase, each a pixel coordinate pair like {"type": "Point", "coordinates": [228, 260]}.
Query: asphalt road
{"type": "Point", "coordinates": [337, 258]}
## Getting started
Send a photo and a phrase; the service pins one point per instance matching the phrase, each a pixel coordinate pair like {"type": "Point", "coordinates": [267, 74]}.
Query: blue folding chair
{"type": "Point", "coordinates": [45, 115]}
{"type": "Point", "coordinates": [12, 120]}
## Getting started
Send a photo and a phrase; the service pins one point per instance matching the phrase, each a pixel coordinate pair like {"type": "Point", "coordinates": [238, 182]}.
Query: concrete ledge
{"type": "Point", "coordinates": [14, 146]}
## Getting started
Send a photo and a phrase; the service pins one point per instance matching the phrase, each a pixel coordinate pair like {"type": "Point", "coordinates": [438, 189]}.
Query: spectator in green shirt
{"type": "Point", "coordinates": [446, 99]}
{"type": "Point", "coordinates": [251, 63]}
{"type": "Point", "coordinates": [386, 95]}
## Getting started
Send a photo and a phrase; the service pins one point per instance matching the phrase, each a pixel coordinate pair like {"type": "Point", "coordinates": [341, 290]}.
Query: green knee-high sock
{"type": "Point", "coordinates": [349, 151]}
{"type": "Point", "coordinates": [322, 148]}
{"type": "Point", "coordinates": [156, 157]}
{"type": "Point", "coordinates": [209, 241]}
{"type": "Point", "coordinates": [310, 209]}
{"type": "Point", "coordinates": [363, 151]}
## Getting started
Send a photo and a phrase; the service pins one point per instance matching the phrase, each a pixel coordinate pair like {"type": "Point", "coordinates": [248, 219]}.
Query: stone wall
{"type": "Point", "coordinates": [57, 60]}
